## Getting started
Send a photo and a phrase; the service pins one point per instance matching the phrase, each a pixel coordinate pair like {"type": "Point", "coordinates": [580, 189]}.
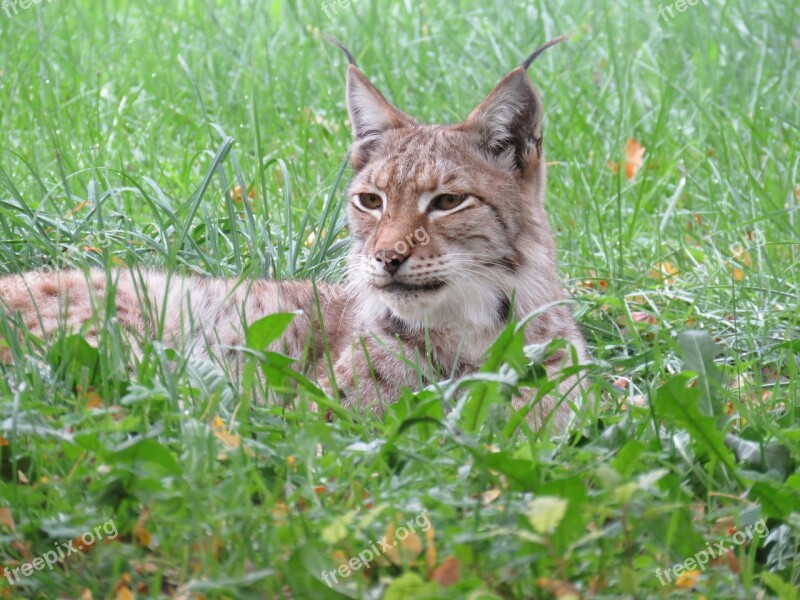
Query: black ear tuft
{"type": "Point", "coordinates": [371, 115]}
{"type": "Point", "coordinates": [509, 122]}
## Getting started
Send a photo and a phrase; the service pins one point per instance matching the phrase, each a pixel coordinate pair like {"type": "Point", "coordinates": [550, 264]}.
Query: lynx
{"type": "Point", "coordinates": [450, 238]}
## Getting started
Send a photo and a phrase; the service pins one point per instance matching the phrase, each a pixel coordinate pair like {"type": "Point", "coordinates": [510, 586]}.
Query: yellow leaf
{"type": "Point", "coordinates": [338, 530]}
{"type": "Point", "coordinates": [687, 580]}
{"type": "Point", "coordinates": [741, 255]}
{"type": "Point", "coordinates": [124, 593]}
{"type": "Point", "coordinates": [545, 513]}
{"type": "Point", "coordinates": [219, 430]}
{"type": "Point", "coordinates": [123, 590]}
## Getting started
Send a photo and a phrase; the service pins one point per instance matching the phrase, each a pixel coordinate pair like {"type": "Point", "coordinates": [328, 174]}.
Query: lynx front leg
{"type": "Point", "coordinates": [372, 373]}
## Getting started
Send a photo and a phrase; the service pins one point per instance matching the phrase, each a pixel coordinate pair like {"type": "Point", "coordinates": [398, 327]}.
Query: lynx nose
{"type": "Point", "coordinates": [391, 259]}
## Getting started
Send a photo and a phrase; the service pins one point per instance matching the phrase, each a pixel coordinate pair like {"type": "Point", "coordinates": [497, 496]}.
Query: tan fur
{"type": "Point", "coordinates": [495, 246]}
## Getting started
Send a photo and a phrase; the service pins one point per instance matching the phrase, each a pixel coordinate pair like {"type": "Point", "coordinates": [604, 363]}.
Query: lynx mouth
{"type": "Point", "coordinates": [400, 287]}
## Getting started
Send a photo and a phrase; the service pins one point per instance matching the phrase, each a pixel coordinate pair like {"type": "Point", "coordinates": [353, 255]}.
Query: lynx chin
{"type": "Point", "coordinates": [450, 238]}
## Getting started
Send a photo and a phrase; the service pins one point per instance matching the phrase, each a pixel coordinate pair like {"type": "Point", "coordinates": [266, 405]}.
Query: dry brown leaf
{"type": "Point", "coordinates": [621, 383]}
{"type": "Point", "coordinates": [238, 195]}
{"type": "Point", "coordinates": [145, 567]}
{"type": "Point", "coordinates": [643, 317]}
{"type": "Point", "coordinates": [562, 590]}
{"type": "Point", "coordinates": [638, 400]}
{"type": "Point", "coordinates": [7, 520]}
{"type": "Point", "coordinates": [634, 157]}
{"type": "Point", "coordinates": [93, 399]}
{"type": "Point", "coordinates": [448, 572]}
{"type": "Point", "coordinates": [733, 563]}
{"type": "Point", "coordinates": [78, 207]}
{"type": "Point", "coordinates": [123, 588]}
{"type": "Point", "coordinates": [430, 546]}
{"type": "Point", "coordinates": [663, 271]}
{"type": "Point", "coordinates": [490, 496]}
{"type": "Point", "coordinates": [402, 551]}
{"type": "Point", "coordinates": [140, 532]}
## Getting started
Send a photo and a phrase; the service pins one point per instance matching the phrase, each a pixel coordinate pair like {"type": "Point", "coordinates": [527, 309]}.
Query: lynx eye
{"type": "Point", "coordinates": [447, 201]}
{"type": "Point", "coordinates": [370, 201]}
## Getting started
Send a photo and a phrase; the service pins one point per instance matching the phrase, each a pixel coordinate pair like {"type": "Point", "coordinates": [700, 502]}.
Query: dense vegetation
{"type": "Point", "coordinates": [210, 137]}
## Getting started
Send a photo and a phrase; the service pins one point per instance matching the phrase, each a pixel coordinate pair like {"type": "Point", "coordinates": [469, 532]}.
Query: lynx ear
{"type": "Point", "coordinates": [509, 123]}
{"type": "Point", "coordinates": [370, 114]}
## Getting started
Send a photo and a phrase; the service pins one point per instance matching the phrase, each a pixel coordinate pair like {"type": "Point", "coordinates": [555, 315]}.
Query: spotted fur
{"type": "Point", "coordinates": [449, 238]}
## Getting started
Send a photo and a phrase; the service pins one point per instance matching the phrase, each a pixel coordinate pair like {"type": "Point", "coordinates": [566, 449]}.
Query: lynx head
{"type": "Point", "coordinates": [448, 221]}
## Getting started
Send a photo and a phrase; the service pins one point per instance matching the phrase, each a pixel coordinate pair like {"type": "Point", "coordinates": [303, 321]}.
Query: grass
{"type": "Point", "coordinates": [127, 128]}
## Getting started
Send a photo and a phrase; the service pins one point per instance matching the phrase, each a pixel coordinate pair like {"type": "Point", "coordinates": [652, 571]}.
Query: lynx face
{"type": "Point", "coordinates": [447, 221]}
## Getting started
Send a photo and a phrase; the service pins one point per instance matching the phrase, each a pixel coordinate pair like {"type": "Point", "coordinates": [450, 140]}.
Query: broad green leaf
{"type": "Point", "coordinates": [409, 586]}
{"type": "Point", "coordinates": [777, 501]}
{"type": "Point", "coordinates": [678, 403]}
{"type": "Point", "coordinates": [147, 451]}
{"type": "Point", "coordinates": [260, 334]}
{"type": "Point", "coordinates": [785, 591]}
{"type": "Point", "coordinates": [698, 351]}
